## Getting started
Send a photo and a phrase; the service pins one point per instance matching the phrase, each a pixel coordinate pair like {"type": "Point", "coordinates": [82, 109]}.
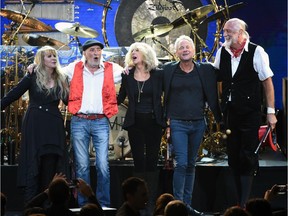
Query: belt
{"type": "Point", "coordinates": [90, 116]}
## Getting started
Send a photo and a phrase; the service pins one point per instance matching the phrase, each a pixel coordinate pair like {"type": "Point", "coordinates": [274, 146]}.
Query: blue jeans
{"type": "Point", "coordinates": [186, 139]}
{"type": "Point", "coordinates": [82, 130]}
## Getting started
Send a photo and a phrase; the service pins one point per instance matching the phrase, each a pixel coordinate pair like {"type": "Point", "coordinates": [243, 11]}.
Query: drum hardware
{"type": "Point", "coordinates": [191, 19]}
{"type": "Point", "coordinates": [103, 21]}
{"type": "Point", "coordinates": [153, 31]}
{"type": "Point", "coordinates": [166, 152]}
{"type": "Point", "coordinates": [224, 12]}
{"type": "Point", "coordinates": [163, 47]}
{"type": "Point", "coordinates": [39, 40]}
{"type": "Point", "coordinates": [107, 5]}
{"type": "Point", "coordinates": [75, 29]}
{"type": "Point", "coordinates": [214, 142]}
{"type": "Point", "coordinates": [193, 16]}
{"type": "Point", "coordinates": [23, 19]}
{"type": "Point", "coordinates": [121, 140]}
{"type": "Point", "coordinates": [118, 137]}
{"type": "Point", "coordinates": [19, 18]}
{"type": "Point", "coordinates": [12, 116]}
{"type": "Point", "coordinates": [202, 55]}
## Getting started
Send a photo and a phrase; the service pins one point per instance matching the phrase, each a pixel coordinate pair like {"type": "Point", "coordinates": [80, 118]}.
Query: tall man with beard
{"type": "Point", "coordinates": [92, 101]}
{"type": "Point", "coordinates": [244, 66]}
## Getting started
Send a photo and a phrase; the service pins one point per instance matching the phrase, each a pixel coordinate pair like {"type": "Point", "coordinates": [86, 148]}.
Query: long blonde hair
{"type": "Point", "coordinates": [149, 56]}
{"type": "Point", "coordinates": [58, 76]}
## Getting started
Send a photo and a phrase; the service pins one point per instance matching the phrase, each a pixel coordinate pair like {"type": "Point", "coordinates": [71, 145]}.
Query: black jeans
{"type": "Point", "coordinates": [243, 141]}
{"type": "Point", "coordinates": [46, 172]}
{"type": "Point", "coordinates": [145, 138]}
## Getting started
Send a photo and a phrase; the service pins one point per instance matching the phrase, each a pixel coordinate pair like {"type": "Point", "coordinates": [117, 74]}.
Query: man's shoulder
{"type": "Point", "coordinates": [126, 210]}
{"type": "Point", "coordinates": [205, 65]}
{"type": "Point", "coordinates": [169, 65]}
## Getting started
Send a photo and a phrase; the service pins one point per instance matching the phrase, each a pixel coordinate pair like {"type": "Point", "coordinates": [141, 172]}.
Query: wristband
{"type": "Point", "coordinates": [270, 110]}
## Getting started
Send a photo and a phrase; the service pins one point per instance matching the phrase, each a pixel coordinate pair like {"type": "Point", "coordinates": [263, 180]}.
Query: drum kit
{"type": "Point", "coordinates": [23, 23]}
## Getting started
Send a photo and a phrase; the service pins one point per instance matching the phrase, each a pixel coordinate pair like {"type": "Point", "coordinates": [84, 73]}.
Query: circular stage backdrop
{"type": "Point", "coordinates": [138, 15]}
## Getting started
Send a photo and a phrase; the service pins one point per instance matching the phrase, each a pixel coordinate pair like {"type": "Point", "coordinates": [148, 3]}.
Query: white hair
{"type": "Point", "coordinates": [181, 38]}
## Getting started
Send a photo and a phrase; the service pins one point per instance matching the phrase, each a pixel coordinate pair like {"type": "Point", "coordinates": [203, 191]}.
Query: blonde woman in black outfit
{"type": "Point", "coordinates": [143, 120]}
{"type": "Point", "coordinates": [42, 152]}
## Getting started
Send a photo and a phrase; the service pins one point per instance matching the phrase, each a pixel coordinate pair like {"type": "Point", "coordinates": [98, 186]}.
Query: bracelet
{"type": "Point", "coordinates": [270, 110]}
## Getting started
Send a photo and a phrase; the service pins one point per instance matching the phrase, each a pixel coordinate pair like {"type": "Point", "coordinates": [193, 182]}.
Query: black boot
{"type": "Point", "coordinates": [152, 179]}
{"type": "Point", "coordinates": [238, 187]}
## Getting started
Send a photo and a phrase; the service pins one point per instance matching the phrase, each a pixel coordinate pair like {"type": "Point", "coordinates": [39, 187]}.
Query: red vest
{"type": "Point", "coordinates": [109, 101]}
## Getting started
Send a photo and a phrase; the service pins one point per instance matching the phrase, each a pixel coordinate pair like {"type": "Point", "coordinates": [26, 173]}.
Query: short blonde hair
{"type": "Point", "coordinates": [149, 55]}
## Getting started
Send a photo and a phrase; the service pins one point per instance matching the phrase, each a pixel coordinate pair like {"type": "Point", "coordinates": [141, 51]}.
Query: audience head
{"type": "Point", "coordinates": [59, 192]}
{"type": "Point", "coordinates": [161, 203]}
{"type": "Point", "coordinates": [236, 211]}
{"type": "Point", "coordinates": [3, 203]}
{"type": "Point", "coordinates": [90, 209]}
{"type": "Point", "coordinates": [135, 192]}
{"type": "Point", "coordinates": [34, 211]}
{"type": "Point", "coordinates": [259, 207]}
{"type": "Point", "coordinates": [176, 207]}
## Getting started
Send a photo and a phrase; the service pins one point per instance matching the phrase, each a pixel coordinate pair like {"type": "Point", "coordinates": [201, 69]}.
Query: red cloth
{"type": "Point", "coordinates": [269, 140]}
{"type": "Point", "coordinates": [236, 52]}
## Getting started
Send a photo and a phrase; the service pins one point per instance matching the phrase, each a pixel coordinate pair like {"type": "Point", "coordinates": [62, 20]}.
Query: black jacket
{"type": "Point", "coordinates": [127, 88]}
{"type": "Point", "coordinates": [207, 74]}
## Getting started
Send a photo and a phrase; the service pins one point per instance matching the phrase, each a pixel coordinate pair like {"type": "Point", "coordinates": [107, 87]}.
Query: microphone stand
{"type": "Point", "coordinates": [227, 16]}
{"type": "Point", "coordinates": [121, 141]}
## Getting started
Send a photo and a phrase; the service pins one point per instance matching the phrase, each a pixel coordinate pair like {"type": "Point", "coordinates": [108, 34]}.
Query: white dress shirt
{"type": "Point", "coordinates": [260, 61]}
{"type": "Point", "coordinates": [93, 83]}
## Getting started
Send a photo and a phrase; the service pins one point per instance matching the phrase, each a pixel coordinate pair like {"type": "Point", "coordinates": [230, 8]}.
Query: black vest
{"type": "Point", "coordinates": [244, 86]}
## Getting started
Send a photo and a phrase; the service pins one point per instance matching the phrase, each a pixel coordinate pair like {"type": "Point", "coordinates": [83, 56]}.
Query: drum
{"type": "Point", "coordinates": [118, 137]}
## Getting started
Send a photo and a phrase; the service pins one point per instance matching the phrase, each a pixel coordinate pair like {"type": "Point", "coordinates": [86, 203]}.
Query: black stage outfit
{"type": "Point", "coordinates": [43, 149]}
{"type": "Point", "coordinates": [242, 113]}
{"type": "Point", "coordinates": [143, 120]}
{"type": "Point", "coordinates": [144, 123]}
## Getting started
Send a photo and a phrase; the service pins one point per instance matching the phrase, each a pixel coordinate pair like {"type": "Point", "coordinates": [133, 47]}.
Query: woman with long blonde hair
{"type": "Point", "coordinates": [42, 150]}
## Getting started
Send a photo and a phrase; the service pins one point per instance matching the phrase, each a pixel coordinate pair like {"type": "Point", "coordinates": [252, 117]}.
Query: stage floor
{"type": "Point", "coordinates": [213, 191]}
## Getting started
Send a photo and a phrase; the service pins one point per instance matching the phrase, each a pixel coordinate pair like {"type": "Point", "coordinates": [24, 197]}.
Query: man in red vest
{"type": "Point", "coordinates": [92, 101]}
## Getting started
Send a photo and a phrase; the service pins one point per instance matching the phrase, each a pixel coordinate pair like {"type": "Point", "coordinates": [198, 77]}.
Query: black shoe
{"type": "Point", "coordinates": [193, 212]}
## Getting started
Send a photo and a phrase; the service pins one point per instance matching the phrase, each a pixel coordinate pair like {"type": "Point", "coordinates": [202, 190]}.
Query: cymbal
{"type": "Point", "coordinates": [222, 12]}
{"type": "Point", "coordinates": [193, 16]}
{"type": "Point", "coordinates": [153, 31]}
{"type": "Point", "coordinates": [39, 40]}
{"type": "Point", "coordinates": [29, 21]}
{"type": "Point", "coordinates": [75, 29]}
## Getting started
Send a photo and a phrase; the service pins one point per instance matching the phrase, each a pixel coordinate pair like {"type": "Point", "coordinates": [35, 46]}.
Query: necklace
{"type": "Point", "coordinates": [140, 89]}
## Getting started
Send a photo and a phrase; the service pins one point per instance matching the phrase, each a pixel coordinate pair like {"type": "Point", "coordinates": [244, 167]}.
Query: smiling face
{"type": "Point", "coordinates": [185, 50]}
{"type": "Point", "coordinates": [93, 55]}
{"type": "Point", "coordinates": [233, 33]}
